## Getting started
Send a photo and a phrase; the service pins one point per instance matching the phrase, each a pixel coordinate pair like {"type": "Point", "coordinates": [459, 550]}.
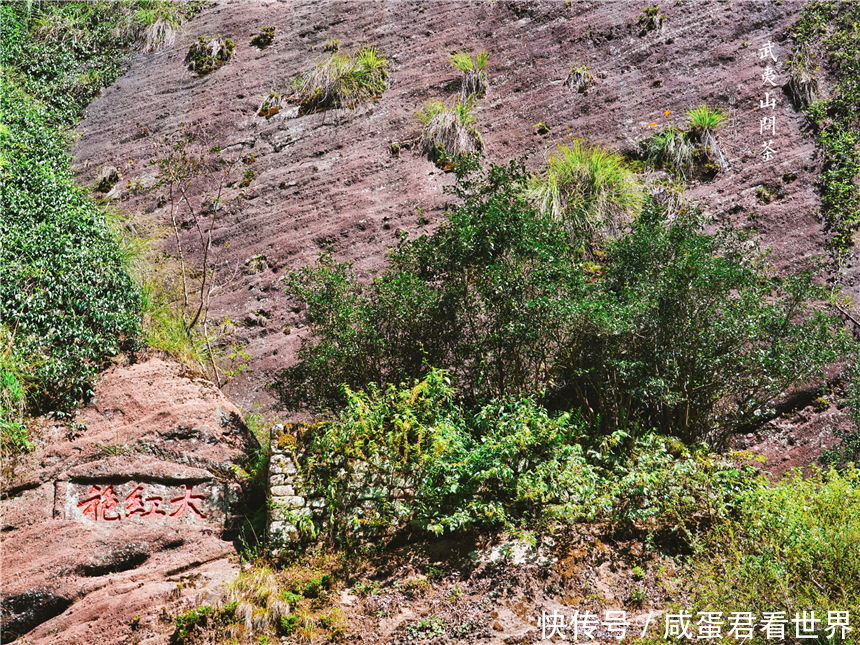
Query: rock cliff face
{"type": "Point", "coordinates": [111, 524]}
{"type": "Point", "coordinates": [130, 514]}
{"type": "Point", "coordinates": [330, 181]}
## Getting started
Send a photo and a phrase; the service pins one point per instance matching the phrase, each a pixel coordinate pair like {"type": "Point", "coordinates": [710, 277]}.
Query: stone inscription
{"type": "Point", "coordinates": [143, 502]}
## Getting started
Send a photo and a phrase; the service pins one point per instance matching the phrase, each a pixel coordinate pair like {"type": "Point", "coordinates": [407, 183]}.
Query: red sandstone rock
{"type": "Point", "coordinates": [101, 526]}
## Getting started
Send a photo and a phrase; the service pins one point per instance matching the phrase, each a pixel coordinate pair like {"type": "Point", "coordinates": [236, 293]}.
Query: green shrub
{"type": "Point", "coordinates": [703, 339]}
{"type": "Point", "coordinates": [63, 281]}
{"type": "Point", "coordinates": [410, 457]}
{"type": "Point", "coordinates": [830, 29]}
{"type": "Point", "coordinates": [679, 330]}
{"type": "Point", "coordinates": [493, 295]}
{"type": "Point", "coordinates": [13, 399]}
{"type": "Point", "coordinates": [208, 53]}
{"type": "Point", "coordinates": [66, 52]}
{"type": "Point", "coordinates": [473, 66]}
{"type": "Point", "coordinates": [449, 132]}
{"type": "Point", "coordinates": [790, 547]}
{"type": "Point", "coordinates": [588, 189]}
{"type": "Point", "coordinates": [187, 623]}
{"type": "Point", "coordinates": [342, 81]}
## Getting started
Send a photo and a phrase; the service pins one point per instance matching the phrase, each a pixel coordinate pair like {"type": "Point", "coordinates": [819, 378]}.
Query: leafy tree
{"type": "Point", "coordinates": [703, 336]}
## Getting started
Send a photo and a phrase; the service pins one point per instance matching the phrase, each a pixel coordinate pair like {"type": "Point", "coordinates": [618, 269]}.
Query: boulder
{"type": "Point", "coordinates": [113, 526]}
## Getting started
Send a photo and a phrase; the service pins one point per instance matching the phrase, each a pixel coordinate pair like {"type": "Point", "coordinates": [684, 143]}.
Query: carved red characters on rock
{"type": "Point", "coordinates": [186, 503]}
{"type": "Point", "coordinates": [102, 505]}
{"type": "Point", "coordinates": [104, 498]}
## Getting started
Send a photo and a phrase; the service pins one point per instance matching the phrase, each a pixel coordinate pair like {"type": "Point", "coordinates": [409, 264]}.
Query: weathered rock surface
{"type": "Point", "coordinates": [126, 513]}
{"type": "Point", "coordinates": [329, 180]}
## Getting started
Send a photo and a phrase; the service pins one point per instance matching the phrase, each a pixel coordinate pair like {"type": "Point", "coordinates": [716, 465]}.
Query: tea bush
{"type": "Point", "coordinates": [66, 299]}
{"type": "Point", "coordinates": [64, 292]}
{"type": "Point", "coordinates": [679, 330]}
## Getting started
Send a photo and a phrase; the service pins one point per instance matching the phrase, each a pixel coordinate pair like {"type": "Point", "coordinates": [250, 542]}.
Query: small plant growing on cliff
{"type": "Point", "coordinates": [342, 81]}
{"type": "Point", "coordinates": [474, 68]}
{"type": "Point", "coordinates": [650, 19]}
{"type": "Point", "coordinates": [264, 38]}
{"type": "Point", "coordinates": [208, 53]}
{"type": "Point", "coordinates": [449, 132]}
{"type": "Point", "coordinates": [580, 78]}
{"type": "Point", "coordinates": [587, 188]}
{"type": "Point", "coordinates": [194, 176]}
{"type": "Point", "coordinates": [682, 151]}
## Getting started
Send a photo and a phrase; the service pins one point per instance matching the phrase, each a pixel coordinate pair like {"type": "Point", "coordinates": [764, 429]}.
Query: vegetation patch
{"type": "Point", "coordinates": [208, 53]}
{"type": "Point", "coordinates": [580, 78]}
{"type": "Point", "coordinates": [695, 148]}
{"type": "Point", "coordinates": [342, 81]}
{"type": "Point", "coordinates": [411, 457]}
{"type": "Point", "coordinates": [264, 38]}
{"type": "Point", "coordinates": [831, 28]}
{"type": "Point", "coordinates": [679, 330]}
{"type": "Point", "coordinates": [449, 132]}
{"type": "Point", "coordinates": [789, 546]}
{"type": "Point", "coordinates": [588, 189]}
{"type": "Point", "coordinates": [474, 69]}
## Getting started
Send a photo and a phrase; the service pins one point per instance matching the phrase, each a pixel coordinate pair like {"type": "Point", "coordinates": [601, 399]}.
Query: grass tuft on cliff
{"type": "Point", "coordinates": [684, 151]}
{"type": "Point", "coordinates": [474, 68]}
{"type": "Point", "coordinates": [588, 189]}
{"type": "Point", "coordinates": [449, 132]}
{"type": "Point", "coordinates": [342, 81]}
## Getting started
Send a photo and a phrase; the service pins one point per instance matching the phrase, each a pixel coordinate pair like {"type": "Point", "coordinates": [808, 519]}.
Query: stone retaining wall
{"type": "Point", "coordinates": [293, 506]}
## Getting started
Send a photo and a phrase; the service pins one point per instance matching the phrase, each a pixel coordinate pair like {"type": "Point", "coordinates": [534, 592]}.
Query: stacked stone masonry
{"type": "Point", "coordinates": [293, 507]}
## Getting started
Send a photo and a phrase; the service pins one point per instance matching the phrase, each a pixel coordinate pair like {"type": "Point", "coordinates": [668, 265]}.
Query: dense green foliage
{"type": "Point", "coordinates": [831, 28]}
{"type": "Point", "coordinates": [682, 331]}
{"type": "Point", "coordinates": [703, 337]}
{"type": "Point", "coordinates": [411, 457]}
{"type": "Point", "coordinates": [64, 53]}
{"type": "Point", "coordinates": [64, 291]}
{"type": "Point", "coordinates": [67, 301]}
{"type": "Point", "coordinates": [790, 547]}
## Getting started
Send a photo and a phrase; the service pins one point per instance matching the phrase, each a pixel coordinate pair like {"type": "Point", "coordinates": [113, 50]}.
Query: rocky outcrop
{"type": "Point", "coordinates": [126, 514]}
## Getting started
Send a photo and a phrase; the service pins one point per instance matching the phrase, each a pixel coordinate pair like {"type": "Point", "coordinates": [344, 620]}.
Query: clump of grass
{"type": "Point", "coordinates": [587, 188]}
{"type": "Point", "coordinates": [342, 81]}
{"type": "Point", "coordinates": [683, 150]}
{"type": "Point", "coordinates": [259, 600]}
{"type": "Point", "coordinates": [449, 132]}
{"type": "Point", "coordinates": [580, 78]}
{"type": "Point", "coordinates": [474, 68]}
{"type": "Point", "coordinates": [331, 45]}
{"type": "Point", "coordinates": [264, 38]}
{"type": "Point", "coordinates": [208, 53]}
